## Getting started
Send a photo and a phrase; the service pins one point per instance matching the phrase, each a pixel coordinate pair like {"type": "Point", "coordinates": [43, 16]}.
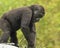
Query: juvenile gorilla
{"type": "Point", "coordinates": [23, 18]}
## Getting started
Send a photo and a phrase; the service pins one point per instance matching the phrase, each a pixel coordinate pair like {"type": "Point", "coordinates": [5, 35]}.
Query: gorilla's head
{"type": "Point", "coordinates": [38, 12]}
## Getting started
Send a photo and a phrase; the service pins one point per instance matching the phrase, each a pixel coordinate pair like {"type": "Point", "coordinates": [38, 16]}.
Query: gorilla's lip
{"type": "Point", "coordinates": [37, 18]}
{"type": "Point", "coordinates": [41, 15]}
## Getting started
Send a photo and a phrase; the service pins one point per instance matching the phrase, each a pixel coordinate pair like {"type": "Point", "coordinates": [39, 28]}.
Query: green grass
{"type": "Point", "coordinates": [48, 28]}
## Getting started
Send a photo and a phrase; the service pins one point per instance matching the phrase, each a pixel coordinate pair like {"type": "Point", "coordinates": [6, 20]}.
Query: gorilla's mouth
{"type": "Point", "coordinates": [41, 15]}
{"type": "Point", "coordinates": [37, 18]}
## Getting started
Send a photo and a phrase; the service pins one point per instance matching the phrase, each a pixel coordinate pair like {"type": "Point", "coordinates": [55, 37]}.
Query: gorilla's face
{"type": "Point", "coordinates": [38, 13]}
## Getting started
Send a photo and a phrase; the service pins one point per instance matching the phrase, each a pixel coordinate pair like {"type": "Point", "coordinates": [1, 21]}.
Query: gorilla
{"type": "Point", "coordinates": [23, 18]}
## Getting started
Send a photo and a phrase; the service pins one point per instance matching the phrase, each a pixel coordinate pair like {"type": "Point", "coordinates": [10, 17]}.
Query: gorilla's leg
{"type": "Point", "coordinates": [5, 27]}
{"type": "Point", "coordinates": [14, 38]}
{"type": "Point", "coordinates": [4, 37]}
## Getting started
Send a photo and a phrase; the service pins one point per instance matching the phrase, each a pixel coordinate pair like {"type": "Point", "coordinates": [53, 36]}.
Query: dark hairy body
{"type": "Point", "coordinates": [14, 17]}
{"type": "Point", "coordinates": [21, 18]}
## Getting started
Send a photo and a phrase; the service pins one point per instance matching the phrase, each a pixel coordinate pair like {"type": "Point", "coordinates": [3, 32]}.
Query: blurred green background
{"type": "Point", "coordinates": [48, 28]}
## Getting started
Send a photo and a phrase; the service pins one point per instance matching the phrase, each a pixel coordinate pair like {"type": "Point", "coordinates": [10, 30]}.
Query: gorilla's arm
{"type": "Point", "coordinates": [25, 20]}
{"type": "Point", "coordinates": [32, 35]}
{"type": "Point", "coordinates": [28, 28]}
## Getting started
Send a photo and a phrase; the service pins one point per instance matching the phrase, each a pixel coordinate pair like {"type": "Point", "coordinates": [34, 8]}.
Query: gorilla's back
{"type": "Point", "coordinates": [14, 16]}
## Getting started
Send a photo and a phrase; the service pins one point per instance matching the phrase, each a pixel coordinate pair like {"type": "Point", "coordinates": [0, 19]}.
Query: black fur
{"type": "Point", "coordinates": [21, 18]}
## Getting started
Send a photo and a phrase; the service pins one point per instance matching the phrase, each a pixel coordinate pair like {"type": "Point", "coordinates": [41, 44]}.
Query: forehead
{"type": "Point", "coordinates": [39, 7]}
